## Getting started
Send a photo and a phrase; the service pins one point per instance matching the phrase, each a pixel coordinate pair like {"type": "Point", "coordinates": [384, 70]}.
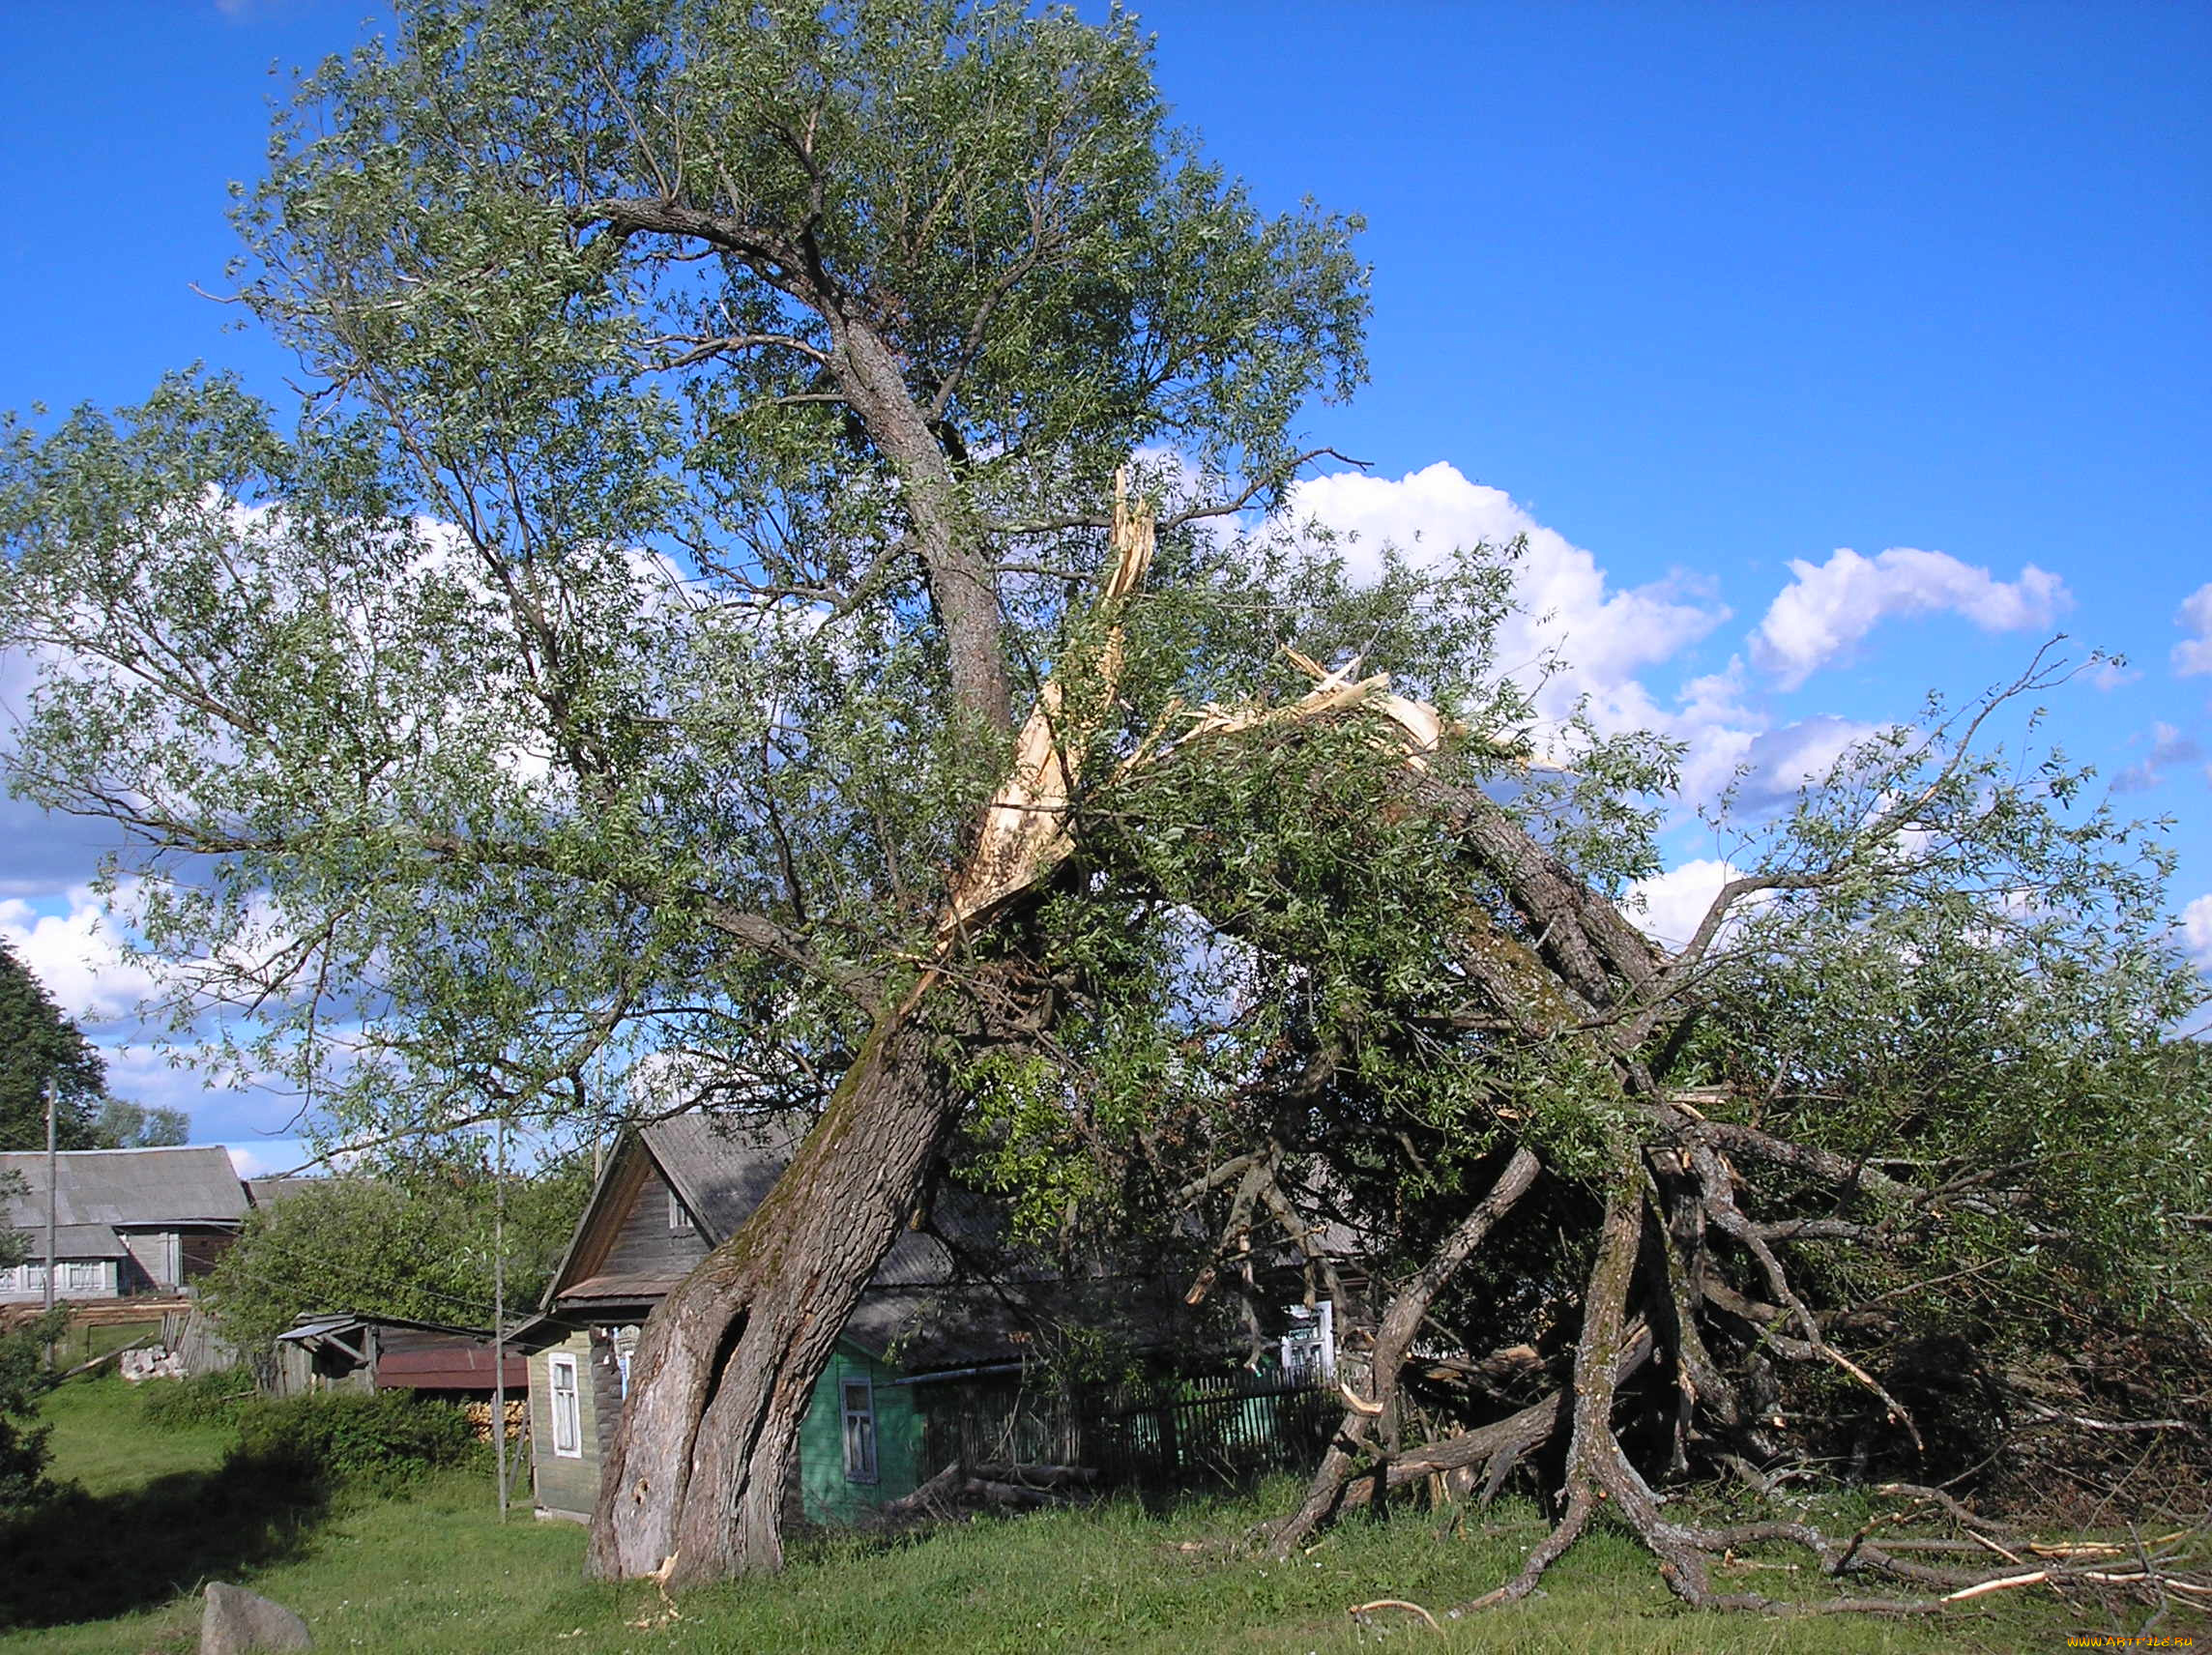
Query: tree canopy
{"type": "Point", "coordinates": [40, 1047]}
{"type": "Point", "coordinates": [414, 1238]}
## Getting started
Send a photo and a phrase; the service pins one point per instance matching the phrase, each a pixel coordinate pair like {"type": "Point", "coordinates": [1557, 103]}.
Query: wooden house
{"type": "Point", "coordinates": [668, 1195]}
{"type": "Point", "coordinates": [127, 1222]}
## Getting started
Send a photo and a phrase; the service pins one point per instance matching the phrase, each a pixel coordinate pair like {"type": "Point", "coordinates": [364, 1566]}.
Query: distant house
{"type": "Point", "coordinates": [127, 1222]}
{"type": "Point", "coordinates": [667, 1196]}
{"type": "Point", "coordinates": [350, 1352]}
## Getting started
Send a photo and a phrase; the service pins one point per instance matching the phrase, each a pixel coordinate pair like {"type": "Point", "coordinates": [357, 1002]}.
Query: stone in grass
{"type": "Point", "coordinates": [237, 1621]}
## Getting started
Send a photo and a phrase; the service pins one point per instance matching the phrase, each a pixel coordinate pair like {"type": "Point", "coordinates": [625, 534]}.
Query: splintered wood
{"type": "Point", "coordinates": [1025, 832]}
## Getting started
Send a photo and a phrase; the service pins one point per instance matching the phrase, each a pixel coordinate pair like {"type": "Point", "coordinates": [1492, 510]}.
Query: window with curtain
{"type": "Point", "coordinates": [568, 1420]}
{"type": "Point", "coordinates": [859, 1430]}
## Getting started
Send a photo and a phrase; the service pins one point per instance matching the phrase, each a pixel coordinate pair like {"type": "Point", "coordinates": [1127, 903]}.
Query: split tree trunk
{"type": "Point", "coordinates": [693, 1491]}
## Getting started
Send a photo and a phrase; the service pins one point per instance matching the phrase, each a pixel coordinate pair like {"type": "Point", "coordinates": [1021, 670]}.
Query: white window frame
{"type": "Point", "coordinates": [84, 1275]}
{"type": "Point", "coordinates": [859, 1427]}
{"type": "Point", "coordinates": [680, 1220]}
{"type": "Point", "coordinates": [1312, 1357]}
{"type": "Point", "coordinates": [568, 1422]}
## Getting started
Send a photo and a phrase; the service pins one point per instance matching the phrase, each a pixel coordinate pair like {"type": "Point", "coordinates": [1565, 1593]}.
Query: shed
{"type": "Point", "coordinates": [343, 1351]}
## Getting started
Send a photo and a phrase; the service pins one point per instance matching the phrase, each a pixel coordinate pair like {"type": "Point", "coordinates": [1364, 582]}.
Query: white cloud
{"type": "Point", "coordinates": [268, 1157]}
{"type": "Point", "coordinates": [1605, 633]}
{"type": "Point", "coordinates": [77, 957]}
{"type": "Point", "coordinates": [1669, 907]}
{"type": "Point", "coordinates": [1828, 607]}
{"type": "Point", "coordinates": [2168, 745]}
{"type": "Point", "coordinates": [2108, 676]}
{"type": "Point", "coordinates": [2194, 655]}
{"type": "Point", "coordinates": [1780, 762]}
{"type": "Point", "coordinates": [2197, 930]}
{"type": "Point", "coordinates": [1608, 634]}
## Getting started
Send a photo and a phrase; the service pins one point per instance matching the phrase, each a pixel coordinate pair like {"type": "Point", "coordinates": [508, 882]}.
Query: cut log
{"type": "Point", "coordinates": [936, 1498]}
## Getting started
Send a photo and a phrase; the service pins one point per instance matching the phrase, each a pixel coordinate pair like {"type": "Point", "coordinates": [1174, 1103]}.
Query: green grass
{"type": "Point", "coordinates": [101, 1442]}
{"type": "Point", "coordinates": [435, 1572]}
{"type": "Point", "coordinates": [86, 1340]}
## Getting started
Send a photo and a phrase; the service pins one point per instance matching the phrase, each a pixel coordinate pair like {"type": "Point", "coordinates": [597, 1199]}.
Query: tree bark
{"type": "Point", "coordinates": [962, 584]}
{"type": "Point", "coordinates": [694, 1488]}
{"type": "Point", "coordinates": [1392, 1340]}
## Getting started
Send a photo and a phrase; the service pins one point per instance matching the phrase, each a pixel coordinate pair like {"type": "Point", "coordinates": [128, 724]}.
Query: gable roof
{"type": "Point", "coordinates": [920, 1304]}
{"type": "Point", "coordinates": [129, 1188]}
{"type": "Point", "coordinates": [268, 1192]}
{"type": "Point", "coordinates": [724, 1169]}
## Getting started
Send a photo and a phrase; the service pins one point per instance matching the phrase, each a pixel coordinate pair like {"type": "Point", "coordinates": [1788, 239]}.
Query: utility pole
{"type": "Point", "coordinates": [53, 1192]}
{"type": "Point", "coordinates": [499, 1313]}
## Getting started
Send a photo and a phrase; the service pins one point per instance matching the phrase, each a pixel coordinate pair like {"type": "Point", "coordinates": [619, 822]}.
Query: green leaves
{"type": "Point", "coordinates": [409, 1236]}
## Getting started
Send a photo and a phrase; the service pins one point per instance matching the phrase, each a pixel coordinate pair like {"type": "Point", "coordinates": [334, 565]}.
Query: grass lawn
{"type": "Point", "coordinates": [436, 1571]}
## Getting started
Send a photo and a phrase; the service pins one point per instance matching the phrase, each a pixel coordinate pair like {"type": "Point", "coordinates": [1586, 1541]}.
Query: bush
{"type": "Point", "coordinates": [24, 1380]}
{"type": "Point", "coordinates": [205, 1399]}
{"type": "Point", "coordinates": [383, 1438]}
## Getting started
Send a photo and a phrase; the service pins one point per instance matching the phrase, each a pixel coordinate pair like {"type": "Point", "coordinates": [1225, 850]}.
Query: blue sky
{"type": "Point", "coordinates": [1699, 294]}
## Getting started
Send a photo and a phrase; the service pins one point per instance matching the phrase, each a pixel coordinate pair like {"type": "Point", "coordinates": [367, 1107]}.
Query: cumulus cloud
{"type": "Point", "coordinates": [268, 1157]}
{"type": "Point", "coordinates": [77, 956]}
{"type": "Point", "coordinates": [1606, 633]}
{"type": "Point", "coordinates": [1779, 761]}
{"type": "Point", "coordinates": [1828, 607]}
{"type": "Point", "coordinates": [2168, 745]}
{"type": "Point", "coordinates": [1610, 636]}
{"type": "Point", "coordinates": [2197, 930]}
{"type": "Point", "coordinates": [1668, 907]}
{"type": "Point", "coordinates": [2194, 655]}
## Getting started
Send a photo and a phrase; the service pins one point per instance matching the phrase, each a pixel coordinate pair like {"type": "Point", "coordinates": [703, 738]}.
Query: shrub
{"type": "Point", "coordinates": [205, 1399]}
{"type": "Point", "coordinates": [385, 1438]}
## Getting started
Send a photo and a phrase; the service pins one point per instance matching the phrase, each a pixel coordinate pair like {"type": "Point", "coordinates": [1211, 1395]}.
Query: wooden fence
{"type": "Point", "coordinates": [1152, 1435]}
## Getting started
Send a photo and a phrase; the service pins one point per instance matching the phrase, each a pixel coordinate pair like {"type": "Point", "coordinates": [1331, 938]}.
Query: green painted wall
{"type": "Point", "coordinates": [570, 1487]}
{"type": "Point", "coordinates": [826, 1494]}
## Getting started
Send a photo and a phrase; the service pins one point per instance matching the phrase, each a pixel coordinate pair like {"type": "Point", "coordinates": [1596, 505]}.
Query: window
{"type": "Point", "coordinates": [568, 1422]}
{"type": "Point", "coordinates": [859, 1430]}
{"type": "Point", "coordinates": [84, 1276]}
{"type": "Point", "coordinates": [626, 1350]}
{"type": "Point", "coordinates": [678, 1221]}
{"type": "Point", "coordinates": [1309, 1347]}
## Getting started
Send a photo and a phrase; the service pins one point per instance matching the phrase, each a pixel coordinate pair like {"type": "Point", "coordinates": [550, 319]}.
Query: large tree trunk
{"type": "Point", "coordinates": [694, 1488]}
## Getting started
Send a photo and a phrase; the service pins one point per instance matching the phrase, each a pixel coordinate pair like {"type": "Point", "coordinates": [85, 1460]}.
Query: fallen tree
{"type": "Point", "coordinates": [1723, 1243]}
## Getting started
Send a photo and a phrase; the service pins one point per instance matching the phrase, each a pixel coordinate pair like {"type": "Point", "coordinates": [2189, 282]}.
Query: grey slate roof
{"type": "Point", "coordinates": [920, 1308]}
{"type": "Point", "coordinates": [268, 1192]}
{"type": "Point", "coordinates": [74, 1242]}
{"type": "Point", "coordinates": [724, 1168]}
{"type": "Point", "coordinates": [129, 1188]}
